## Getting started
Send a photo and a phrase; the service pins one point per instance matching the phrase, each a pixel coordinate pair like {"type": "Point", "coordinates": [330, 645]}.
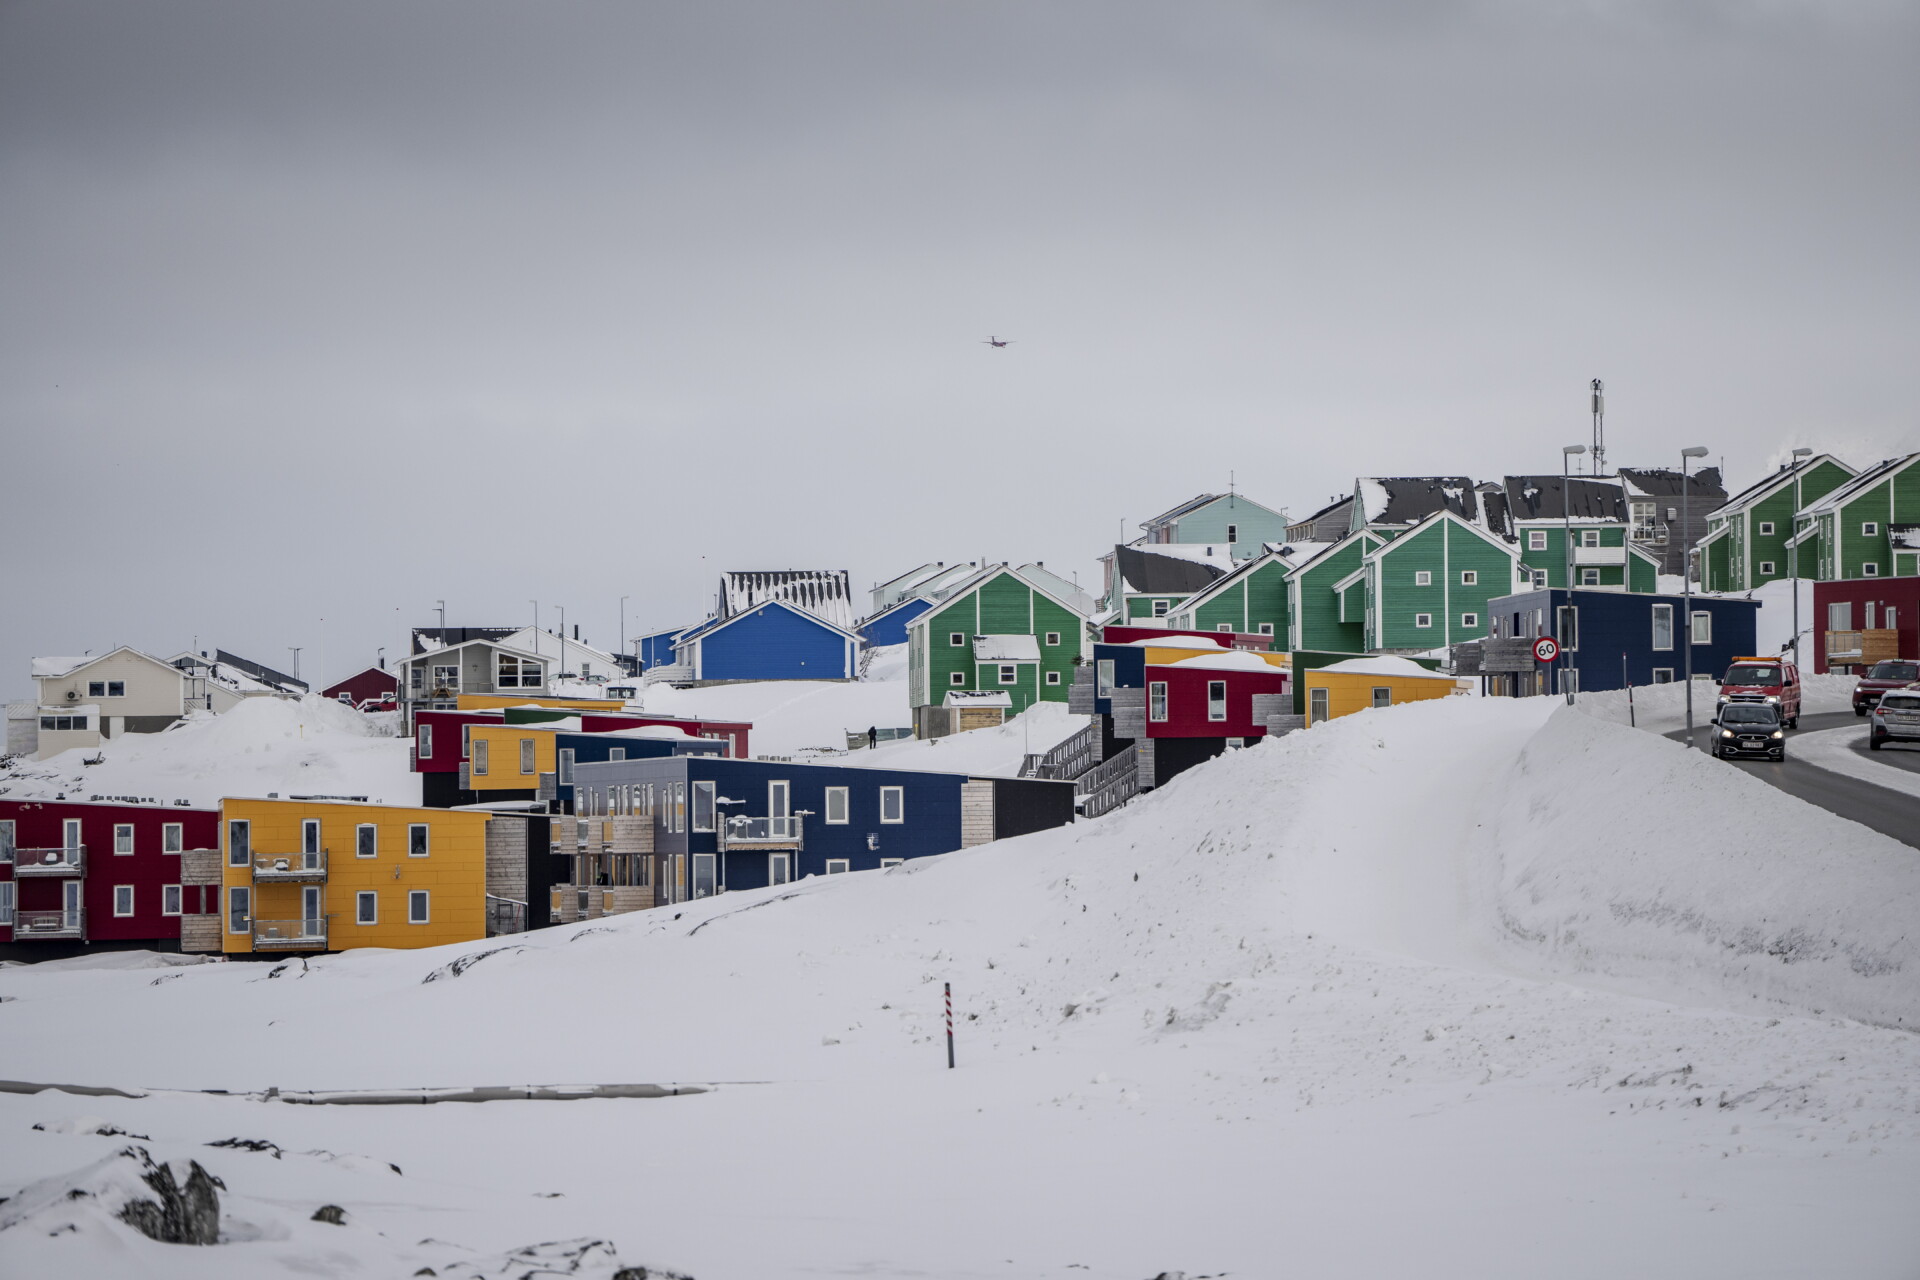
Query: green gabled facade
{"type": "Point", "coordinates": [1430, 586]}
{"type": "Point", "coordinates": [1854, 523]}
{"type": "Point", "coordinates": [940, 643]}
{"type": "Point", "coordinates": [1616, 561]}
{"type": "Point", "coordinates": [1253, 600]}
{"type": "Point", "coordinates": [1314, 617]}
{"type": "Point", "coordinates": [1746, 544]}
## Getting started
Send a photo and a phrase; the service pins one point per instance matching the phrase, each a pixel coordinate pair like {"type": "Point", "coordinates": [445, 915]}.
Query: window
{"type": "Point", "coordinates": [424, 736]}
{"type": "Point", "coordinates": [172, 837]}
{"type": "Point", "coordinates": [1566, 627]}
{"type": "Point", "coordinates": [366, 841]}
{"type": "Point", "coordinates": [513, 672]}
{"type": "Point", "coordinates": [1589, 577]}
{"type": "Point", "coordinates": [890, 862]}
{"type": "Point", "coordinates": [526, 755]}
{"type": "Point", "coordinates": [1869, 570]}
{"type": "Point", "coordinates": [1662, 629]}
{"type": "Point", "coordinates": [1423, 577]}
{"type": "Point", "coordinates": [703, 806]}
{"type": "Point", "coordinates": [1103, 678]}
{"type": "Point", "coordinates": [613, 753]}
{"type": "Point", "coordinates": [893, 804]}
{"type": "Point", "coordinates": [1870, 529]}
{"type": "Point", "coordinates": [310, 836]}
{"type": "Point", "coordinates": [1663, 675]}
{"type": "Point", "coordinates": [1233, 533]}
{"type": "Point", "coordinates": [70, 834]}
{"type": "Point", "coordinates": [447, 678]}
{"type": "Point", "coordinates": [1160, 608]}
{"type": "Point", "coordinates": [956, 639]}
{"type": "Point", "coordinates": [1223, 626]}
{"type": "Point", "coordinates": [1589, 537]}
{"type": "Point", "coordinates": [123, 837]}
{"type": "Point", "coordinates": [1383, 697]}
{"type": "Point", "coordinates": [1536, 539]}
{"type": "Point", "coordinates": [1469, 620]}
{"type": "Point", "coordinates": [169, 899]}
{"type": "Point", "coordinates": [1266, 628]}
{"type": "Point", "coordinates": [414, 680]}
{"type": "Point", "coordinates": [1840, 616]}
{"type": "Point", "coordinates": [480, 757]}
{"type": "Point", "coordinates": [563, 767]}
{"type": "Point", "coordinates": [1539, 579]}
{"type": "Point", "coordinates": [838, 866]}
{"type": "Point", "coordinates": [239, 909]}
{"type": "Point", "coordinates": [64, 723]}
{"type": "Point", "coordinates": [1009, 673]}
{"type": "Point", "coordinates": [1766, 567]}
{"type": "Point", "coordinates": [366, 907]}
{"type": "Point", "coordinates": [1422, 619]}
{"type": "Point", "coordinates": [97, 689]}
{"type": "Point", "coordinates": [417, 906]}
{"type": "Point", "coordinates": [7, 843]}
{"type": "Point", "coordinates": [1569, 680]}
{"type": "Point", "coordinates": [1316, 705]}
{"type": "Point", "coordinates": [123, 900]}
{"type": "Point", "coordinates": [345, 697]}
{"type": "Point", "coordinates": [239, 843]}
{"type": "Point", "coordinates": [6, 902]}
{"type": "Point", "coordinates": [836, 806]}
{"type": "Point", "coordinates": [1157, 700]}
{"type": "Point", "coordinates": [1053, 637]}
{"type": "Point", "coordinates": [1766, 528]}
{"type": "Point", "coordinates": [1703, 628]}
{"type": "Point", "coordinates": [1644, 516]}
{"type": "Point", "coordinates": [416, 840]}
{"type": "Point", "coordinates": [1053, 677]}
{"type": "Point", "coordinates": [957, 678]}
{"type": "Point", "coordinates": [1216, 699]}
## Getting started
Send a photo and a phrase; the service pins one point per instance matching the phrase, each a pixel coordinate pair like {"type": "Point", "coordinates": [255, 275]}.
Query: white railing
{"type": "Point", "coordinates": [743, 831]}
{"type": "Point", "coordinates": [45, 925]}
{"type": "Point", "coordinates": [290, 935]}
{"type": "Point", "coordinates": [50, 862]}
{"type": "Point", "coordinates": [290, 866]}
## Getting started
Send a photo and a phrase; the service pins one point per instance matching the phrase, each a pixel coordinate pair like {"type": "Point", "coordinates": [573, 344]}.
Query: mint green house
{"type": "Point", "coordinates": [994, 633]}
{"type": "Point", "coordinates": [1229, 520]}
{"type": "Point", "coordinates": [1865, 528]}
{"type": "Point", "coordinates": [1748, 540]}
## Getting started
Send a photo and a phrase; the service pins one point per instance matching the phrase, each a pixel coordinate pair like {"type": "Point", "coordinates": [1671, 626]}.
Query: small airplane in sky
{"type": "Point", "coordinates": [992, 341]}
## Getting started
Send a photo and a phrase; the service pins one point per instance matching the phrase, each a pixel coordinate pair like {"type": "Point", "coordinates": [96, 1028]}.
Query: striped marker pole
{"type": "Point", "coordinates": [949, 987]}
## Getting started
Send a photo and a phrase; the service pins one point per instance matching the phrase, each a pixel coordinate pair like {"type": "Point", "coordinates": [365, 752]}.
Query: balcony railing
{"type": "Point", "coordinates": [50, 926]}
{"type": "Point", "coordinates": [1857, 648]}
{"type": "Point", "coordinates": [50, 862]}
{"type": "Point", "coordinates": [1599, 555]}
{"type": "Point", "coordinates": [290, 935]}
{"type": "Point", "coordinates": [289, 868]}
{"type": "Point", "coordinates": [760, 833]}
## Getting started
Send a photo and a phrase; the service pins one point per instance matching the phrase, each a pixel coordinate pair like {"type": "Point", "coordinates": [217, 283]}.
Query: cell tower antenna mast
{"type": "Point", "coordinates": [1599, 429]}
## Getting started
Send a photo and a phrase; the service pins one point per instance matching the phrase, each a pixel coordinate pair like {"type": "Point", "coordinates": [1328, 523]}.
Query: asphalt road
{"type": "Point", "coordinates": [1891, 813]}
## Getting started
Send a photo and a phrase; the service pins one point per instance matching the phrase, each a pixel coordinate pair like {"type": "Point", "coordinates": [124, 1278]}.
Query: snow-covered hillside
{"type": "Point", "coordinates": [311, 747]}
{"type": "Point", "coordinates": [791, 716]}
{"type": "Point", "coordinates": [1384, 997]}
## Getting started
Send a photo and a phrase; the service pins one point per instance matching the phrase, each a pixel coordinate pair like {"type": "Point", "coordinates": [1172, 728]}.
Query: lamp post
{"type": "Point", "coordinates": [1793, 551]}
{"type": "Point", "coordinates": [1567, 455]}
{"type": "Point", "coordinates": [536, 627]}
{"type": "Point", "coordinates": [296, 660]}
{"type": "Point", "coordinates": [1686, 579]}
{"type": "Point", "coordinates": [623, 624]}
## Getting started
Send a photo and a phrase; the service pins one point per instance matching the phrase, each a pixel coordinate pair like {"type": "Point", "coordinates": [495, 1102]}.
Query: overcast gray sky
{"type": "Point", "coordinates": [316, 313]}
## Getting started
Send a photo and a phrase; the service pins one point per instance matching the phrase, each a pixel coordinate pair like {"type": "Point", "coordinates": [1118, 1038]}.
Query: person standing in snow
{"type": "Point", "coordinates": [873, 737]}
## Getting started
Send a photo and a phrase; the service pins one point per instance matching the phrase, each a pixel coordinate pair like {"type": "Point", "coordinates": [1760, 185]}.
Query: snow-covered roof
{"type": "Point", "coordinates": [1155, 572]}
{"type": "Point", "coordinates": [1411, 499]}
{"type": "Point", "coordinates": [1665, 482]}
{"type": "Point", "coordinates": [1006, 648]}
{"type": "Point", "coordinates": [54, 668]}
{"type": "Point", "coordinates": [824, 593]}
{"type": "Point", "coordinates": [1177, 642]}
{"type": "Point", "coordinates": [1230, 660]}
{"type": "Point", "coordinates": [1904, 536]}
{"type": "Point", "coordinates": [712, 625]}
{"type": "Point", "coordinates": [1047, 580]}
{"type": "Point", "coordinates": [1579, 499]}
{"type": "Point", "coordinates": [978, 698]}
{"type": "Point", "coordinates": [1383, 665]}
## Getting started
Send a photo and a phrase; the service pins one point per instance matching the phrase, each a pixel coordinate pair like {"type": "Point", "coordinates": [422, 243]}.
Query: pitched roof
{"type": "Point", "coordinates": [427, 639]}
{"type": "Point", "coordinates": [260, 671]}
{"type": "Point", "coordinates": [1861, 483]}
{"type": "Point", "coordinates": [1665, 482]}
{"type": "Point", "coordinates": [1330, 509]}
{"type": "Point", "coordinates": [824, 593]}
{"type": "Point", "coordinates": [54, 668]}
{"type": "Point", "coordinates": [1774, 480]}
{"type": "Point", "coordinates": [712, 625]}
{"type": "Point", "coordinates": [1174, 513]}
{"type": "Point", "coordinates": [1244, 569]}
{"type": "Point", "coordinates": [1904, 536]}
{"type": "Point", "coordinates": [1148, 573]}
{"type": "Point", "coordinates": [1411, 499]}
{"type": "Point", "coordinates": [1552, 497]}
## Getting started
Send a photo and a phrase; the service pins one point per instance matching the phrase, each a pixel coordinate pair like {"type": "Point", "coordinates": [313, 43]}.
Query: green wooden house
{"type": "Point", "coordinates": [1252, 600]}
{"type": "Point", "coordinates": [1542, 514]}
{"type": "Point", "coordinates": [1865, 527]}
{"type": "Point", "coordinates": [1319, 615]}
{"type": "Point", "coordinates": [996, 632]}
{"type": "Point", "coordinates": [1429, 587]}
{"type": "Point", "coordinates": [1747, 540]}
{"type": "Point", "coordinates": [1150, 582]}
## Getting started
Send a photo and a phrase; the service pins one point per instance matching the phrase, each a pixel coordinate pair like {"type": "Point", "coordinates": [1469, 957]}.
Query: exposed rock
{"type": "Point", "coordinates": [331, 1214]}
{"type": "Point", "coordinates": [187, 1211]}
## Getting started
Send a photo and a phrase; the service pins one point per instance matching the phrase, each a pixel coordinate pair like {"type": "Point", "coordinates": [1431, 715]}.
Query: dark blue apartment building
{"type": "Point", "coordinates": [1609, 639]}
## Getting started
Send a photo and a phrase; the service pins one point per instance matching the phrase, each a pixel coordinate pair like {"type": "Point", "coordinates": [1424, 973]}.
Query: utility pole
{"type": "Point", "coordinates": [536, 627]}
{"type": "Point", "coordinates": [623, 625]}
{"type": "Point", "coordinates": [442, 606]}
{"type": "Point", "coordinates": [296, 661]}
{"type": "Point", "coordinates": [1599, 429]}
{"type": "Point", "coordinates": [1566, 524]}
{"type": "Point", "coordinates": [1793, 550]}
{"type": "Point", "coordinates": [1686, 577]}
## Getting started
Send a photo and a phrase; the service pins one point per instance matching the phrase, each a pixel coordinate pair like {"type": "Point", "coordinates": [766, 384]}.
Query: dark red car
{"type": "Point", "coordinates": [1888, 674]}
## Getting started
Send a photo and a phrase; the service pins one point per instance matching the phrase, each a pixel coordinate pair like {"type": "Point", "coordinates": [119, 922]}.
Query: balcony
{"type": "Point", "coordinates": [290, 868]}
{"type": "Point", "coordinates": [50, 926]}
{"type": "Point", "coordinates": [290, 935]}
{"type": "Point", "coordinates": [49, 862]}
{"type": "Point", "coordinates": [1844, 648]}
{"type": "Point", "coordinates": [761, 833]}
{"type": "Point", "coordinates": [1599, 556]}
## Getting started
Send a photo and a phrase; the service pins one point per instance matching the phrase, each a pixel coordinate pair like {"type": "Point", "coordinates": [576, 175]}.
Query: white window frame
{"type": "Point", "coordinates": [419, 906]}
{"type": "Point", "coordinates": [1536, 539]}
{"type": "Point", "coordinates": [711, 790]}
{"type": "Point", "coordinates": [310, 835]}
{"type": "Point", "coordinates": [1870, 569]}
{"type": "Point", "coordinates": [122, 893]}
{"type": "Point", "coordinates": [1233, 534]}
{"type": "Point", "coordinates": [123, 836]}
{"type": "Point", "coordinates": [362, 846]}
{"type": "Point", "coordinates": [1661, 611]}
{"type": "Point", "coordinates": [898, 795]}
{"type": "Point", "coordinates": [1766, 528]}
{"type": "Point", "coordinates": [1870, 528]}
{"type": "Point", "coordinates": [1223, 626]}
{"type": "Point", "coordinates": [8, 902]}
{"type": "Point", "coordinates": [1663, 671]}
{"type": "Point", "coordinates": [885, 863]}
{"type": "Point", "coordinates": [1160, 608]}
{"type": "Point", "coordinates": [1766, 566]}
{"type": "Point", "coordinates": [1103, 677]}
{"type": "Point", "coordinates": [1053, 637]}
{"type": "Point", "coordinates": [1589, 537]}
{"type": "Point", "coordinates": [1157, 701]}
{"type": "Point", "coordinates": [1589, 576]}
{"type": "Point", "coordinates": [957, 639]}
{"type": "Point", "coordinates": [173, 837]}
{"type": "Point", "coordinates": [839, 866]}
{"type": "Point", "coordinates": [239, 907]}
{"type": "Point", "coordinates": [1702, 623]}
{"type": "Point", "coordinates": [9, 841]}
{"type": "Point", "coordinates": [1469, 620]}
{"type": "Point", "coordinates": [1539, 579]}
{"type": "Point", "coordinates": [1053, 677]}
{"type": "Point", "coordinates": [1423, 577]}
{"type": "Point", "coordinates": [1266, 629]}
{"type": "Point", "coordinates": [1469, 577]}
{"type": "Point", "coordinates": [171, 900]}
{"type": "Point", "coordinates": [1009, 673]}
{"type": "Point", "coordinates": [480, 757]}
{"type": "Point", "coordinates": [1382, 697]}
{"type": "Point", "coordinates": [426, 839]}
{"type": "Point", "coordinates": [563, 766]}
{"type": "Point", "coordinates": [841, 795]}
{"type": "Point", "coordinates": [1216, 706]}
{"type": "Point", "coordinates": [529, 757]}
{"type": "Point", "coordinates": [1422, 620]}
{"type": "Point", "coordinates": [1318, 701]}
{"type": "Point", "coordinates": [1566, 627]}
{"type": "Point", "coordinates": [240, 854]}
{"type": "Point", "coordinates": [957, 678]}
{"type": "Point", "coordinates": [366, 907]}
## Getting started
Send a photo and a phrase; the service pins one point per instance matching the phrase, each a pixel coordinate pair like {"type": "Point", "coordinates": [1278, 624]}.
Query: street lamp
{"type": "Point", "coordinates": [1793, 551]}
{"type": "Point", "coordinates": [1686, 577]}
{"type": "Point", "coordinates": [623, 624]}
{"type": "Point", "coordinates": [536, 626]}
{"type": "Point", "coordinates": [1567, 455]}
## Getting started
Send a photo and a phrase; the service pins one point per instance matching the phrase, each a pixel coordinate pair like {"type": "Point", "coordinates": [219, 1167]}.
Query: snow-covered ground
{"type": "Point", "coordinates": [311, 747]}
{"type": "Point", "coordinates": [791, 716]}
{"type": "Point", "coordinates": [995, 752]}
{"type": "Point", "coordinates": [1470, 987]}
{"type": "Point", "coordinates": [1662, 708]}
{"type": "Point", "coordinates": [1834, 749]}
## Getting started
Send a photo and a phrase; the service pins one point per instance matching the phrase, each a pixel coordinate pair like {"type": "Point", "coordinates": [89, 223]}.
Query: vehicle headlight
{"type": "Point", "coordinates": [1726, 733]}
{"type": "Point", "coordinates": [1773, 697]}
{"type": "Point", "coordinates": [1779, 733]}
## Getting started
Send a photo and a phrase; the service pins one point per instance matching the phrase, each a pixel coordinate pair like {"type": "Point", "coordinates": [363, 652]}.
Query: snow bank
{"type": "Point", "coordinates": [1662, 708]}
{"type": "Point", "coordinates": [1834, 749]}
{"type": "Point", "coordinates": [1386, 665]}
{"type": "Point", "coordinates": [789, 716]}
{"type": "Point", "coordinates": [995, 752]}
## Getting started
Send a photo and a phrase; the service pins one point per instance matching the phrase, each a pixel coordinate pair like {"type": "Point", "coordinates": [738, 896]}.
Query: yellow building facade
{"type": "Point", "coordinates": [300, 876]}
{"type": "Point", "coordinates": [509, 757]}
{"type": "Point", "coordinates": [1363, 684]}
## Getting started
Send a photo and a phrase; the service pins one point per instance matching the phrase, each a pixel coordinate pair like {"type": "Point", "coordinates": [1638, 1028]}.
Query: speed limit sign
{"type": "Point", "coordinates": [1545, 649]}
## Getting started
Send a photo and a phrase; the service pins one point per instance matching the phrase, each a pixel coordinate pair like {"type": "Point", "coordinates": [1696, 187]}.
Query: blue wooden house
{"type": "Point", "coordinates": [656, 649]}
{"type": "Point", "coordinates": [706, 824]}
{"type": "Point", "coordinates": [1610, 638]}
{"type": "Point", "coordinates": [889, 626]}
{"type": "Point", "coordinates": [773, 640]}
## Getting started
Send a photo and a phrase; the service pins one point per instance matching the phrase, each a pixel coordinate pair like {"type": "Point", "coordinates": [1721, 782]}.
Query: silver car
{"type": "Point", "coordinates": [1896, 718]}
